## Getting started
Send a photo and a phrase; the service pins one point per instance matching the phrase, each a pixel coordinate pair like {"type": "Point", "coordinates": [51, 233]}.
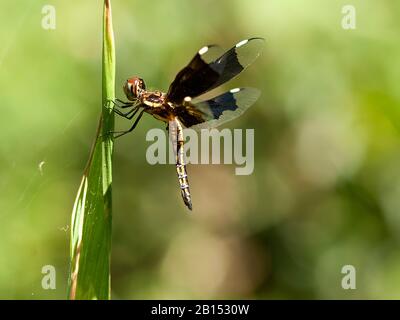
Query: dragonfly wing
{"type": "Point", "coordinates": [220, 109]}
{"type": "Point", "coordinates": [196, 76]}
{"type": "Point", "coordinates": [200, 76]}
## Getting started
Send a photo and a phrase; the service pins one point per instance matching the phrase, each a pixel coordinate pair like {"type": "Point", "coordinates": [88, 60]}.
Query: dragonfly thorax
{"type": "Point", "coordinates": [154, 99]}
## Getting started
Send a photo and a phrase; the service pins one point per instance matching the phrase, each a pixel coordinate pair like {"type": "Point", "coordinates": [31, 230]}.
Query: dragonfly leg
{"type": "Point", "coordinates": [122, 104]}
{"type": "Point", "coordinates": [121, 133]}
{"type": "Point", "coordinates": [127, 115]}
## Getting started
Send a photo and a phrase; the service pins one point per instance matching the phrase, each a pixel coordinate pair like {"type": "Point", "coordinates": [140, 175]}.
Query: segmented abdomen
{"type": "Point", "coordinates": [176, 135]}
{"type": "Point", "coordinates": [182, 175]}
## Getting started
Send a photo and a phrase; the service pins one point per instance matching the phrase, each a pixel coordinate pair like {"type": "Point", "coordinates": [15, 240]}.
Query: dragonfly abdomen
{"type": "Point", "coordinates": [182, 175]}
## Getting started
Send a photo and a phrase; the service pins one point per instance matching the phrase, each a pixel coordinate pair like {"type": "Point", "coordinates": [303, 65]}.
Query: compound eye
{"type": "Point", "coordinates": [132, 89]}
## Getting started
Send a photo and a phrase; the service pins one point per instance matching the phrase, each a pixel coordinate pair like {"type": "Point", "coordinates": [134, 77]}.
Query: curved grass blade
{"type": "Point", "coordinates": [90, 246]}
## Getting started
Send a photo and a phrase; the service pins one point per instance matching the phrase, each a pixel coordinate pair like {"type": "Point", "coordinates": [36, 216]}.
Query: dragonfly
{"type": "Point", "coordinates": [186, 105]}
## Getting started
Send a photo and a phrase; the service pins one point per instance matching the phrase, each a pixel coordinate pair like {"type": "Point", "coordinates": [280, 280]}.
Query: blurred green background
{"type": "Point", "coordinates": [325, 191]}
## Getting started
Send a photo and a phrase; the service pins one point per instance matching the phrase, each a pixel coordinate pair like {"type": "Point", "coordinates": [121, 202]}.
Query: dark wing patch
{"type": "Point", "coordinates": [218, 110]}
{"type": "Point", "coordinates": [196, 77]}
{"type": "Point", "coordinates": [202, 75]}
{"type": "Point", "coordinates": [190, 115]}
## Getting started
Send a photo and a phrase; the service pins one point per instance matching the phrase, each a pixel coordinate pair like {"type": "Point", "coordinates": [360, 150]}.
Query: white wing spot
{"type": "Point", "coordinates": [241, 43]}
{"type": "Point", "coordinates": [234, 90]}
{"type": "Point", "coordinates": [203, 50]}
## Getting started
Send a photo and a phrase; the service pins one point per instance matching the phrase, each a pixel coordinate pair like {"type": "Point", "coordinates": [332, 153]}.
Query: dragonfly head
{"type": "Point", "coordinates": [134, 87]}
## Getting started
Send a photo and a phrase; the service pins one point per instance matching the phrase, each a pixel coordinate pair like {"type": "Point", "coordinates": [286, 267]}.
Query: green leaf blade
{"type": "Point", "coordinates": [91, 221]}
